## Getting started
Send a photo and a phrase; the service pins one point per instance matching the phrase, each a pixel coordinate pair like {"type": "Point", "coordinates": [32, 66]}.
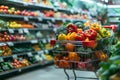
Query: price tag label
{"type": "Point", "coordinates": [2, 44]}
{"type": "Point", "coordinates": [20, 31]}
{"type": "Point", "coordinates": [33, 24]}
{"type": "Point", "coordinates": [14, 56]}
{"type": "Point", "coordinates": [26, 30]}
{"type": "Point", "coordinates": [34, 41]}
{"type": "Point", "coordinates": [25, 4]}
{"type": "Point", "coordinates": [71, 20]}
{"type": "Point", "coordinates": [44, 40]}
{"type": "Point", "coordinates": [49, 39]}
{"type": "Point", "coordinates": [19, 70]}
{"type": "Point", "coordinates": [11, 30]}
{"type": "Point", "coordinates": [10, 43]}
{"type": "Point", "coordinates": [43, 56]}
{"type": "Point", "coordinates": [55, 9]}
{"type": "Point", "coordinates": [1, 59]}
{"type": "Point", "coordinates": [40, 19]}
{"type": "Point", "coordinates": [53, 20]}
{"type": "Point", "coordinates": [55, 30]}
{"type": "Point", "coordinates": [29, 54]}
{"type": "Point", "coordinates": [40, 52]}
{"type": "Point", "coordinates": [26, 18]}
{"type": "Point", "coordinates": [72, 11]}
{"type": "Point", "coordinates": [57, 46]}
{"type": "Point", "coordinates": [46, 51]}
{"type": "Point", "coordinates": [78, 11]}
{"type": "Point", "coordinates": [63, 20]}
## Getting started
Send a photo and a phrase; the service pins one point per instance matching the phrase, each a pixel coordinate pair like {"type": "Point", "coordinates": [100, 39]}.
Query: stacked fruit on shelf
{"type": "Point", "coordinates": [5, 51]}
{"type": "Point", "coordinates": [18, 24]}
{"type": "Point", "coordinates": [51, 13]}
{"type": "Point", "coordinates": [13, 10]}
{"type": "Point", "coordinates": [87, 36]}
{"type": "Point", "coordinates": [9, 37]}
{"type": "Point", "coordinates": [20, 63]}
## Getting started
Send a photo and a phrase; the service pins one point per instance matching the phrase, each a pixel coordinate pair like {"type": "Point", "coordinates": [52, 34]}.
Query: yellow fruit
{"type": "Point", "coordinates": [62, 37]}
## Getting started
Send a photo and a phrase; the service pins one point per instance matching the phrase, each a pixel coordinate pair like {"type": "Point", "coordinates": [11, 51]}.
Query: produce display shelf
{"type": "Point", "coordinates": [40, 18]}
{"type": "Point", "coordinates": [31, 29]}
{"type": "Point", "coordinates": [38, 6]}
{"type": "Point", "coordinates": [114, 21]}
{"type": "Point", "coordinates": [63, 19]}
{"type": "Point", "coordinates": [17, 16]}
{"type": "Point", "coordinates": [41, 64]}
{"type": "Point", "coordinates": [16, 42]}
{"type": "Point", "coordinates": [23, 53]}
{"type": "Point", "coordinates": [59, 51]}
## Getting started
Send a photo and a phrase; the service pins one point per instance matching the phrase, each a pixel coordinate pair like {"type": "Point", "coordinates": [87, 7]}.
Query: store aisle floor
{"type": "Point", "coordinates": [50, 73]}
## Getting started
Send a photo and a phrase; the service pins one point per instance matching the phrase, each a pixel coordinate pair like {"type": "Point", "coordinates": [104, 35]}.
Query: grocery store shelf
{"type": "Point", "coordinates": [38, 6]}
{"type": "Point", "coordinates": [42, 18]}
{"type": "Point", "coordinates": [16, 42]}
{"type": "Point", "coordinates": [114, 21]}
{"type": "Point", "coordinates": [14, 16]}
{"type": "Point", "coordinates": [113, 15]}
{"type": "Point", "coordinates": [30, 29]}
{"type": "Point", "coordinates": [25, 53]}
{"type": "Point", "coordinates": [40, 65]}
{"type": "Point", "coordinates": [68, 52]}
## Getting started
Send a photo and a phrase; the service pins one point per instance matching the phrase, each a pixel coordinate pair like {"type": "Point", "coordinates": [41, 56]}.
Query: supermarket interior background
{"type": "Point", "coordinates": [59, 40]}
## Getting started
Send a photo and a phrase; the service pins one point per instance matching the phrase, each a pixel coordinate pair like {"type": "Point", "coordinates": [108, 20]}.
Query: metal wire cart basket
{"type": "Point", "coordinates": [80, 55]}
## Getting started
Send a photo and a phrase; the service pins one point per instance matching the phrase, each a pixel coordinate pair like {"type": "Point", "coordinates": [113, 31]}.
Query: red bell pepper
{"type": "Point", "coordinates": [71, 28]}
{"type": "Point", "coordinates": [80, 36]}
{"type": "Point", "coordinates": [81, 65]}
{"type": "Point", "coordinates": [91, 34]}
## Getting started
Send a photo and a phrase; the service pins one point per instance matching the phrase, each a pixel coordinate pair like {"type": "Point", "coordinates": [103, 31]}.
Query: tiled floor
{"type": "Point", "coordinates": [51, 73]}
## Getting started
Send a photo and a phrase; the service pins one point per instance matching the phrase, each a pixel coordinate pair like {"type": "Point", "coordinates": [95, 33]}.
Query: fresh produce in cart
{"type": "Point", "coordinates": [79, 47]}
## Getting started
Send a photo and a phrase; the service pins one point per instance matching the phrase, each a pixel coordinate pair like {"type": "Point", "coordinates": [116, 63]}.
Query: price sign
{"type": "Point", "coordinates": [11, 30]}
{"type": "Point", "coordinates": [55, 9]}
{"type": "Point", "coordinates": [1, 59]}
{"type": "Point", "coordinates": [72, 11]}
{"type": "Point", "coordinates": [57, 46]}
{"type": "Point", "coordinates": [40, 19]}
{"type": "Point", "coordinates": [25, 4]}
{"type": "Point", "coordinates": [34, 41]}
{"type": "Point", "coordinates": [26, 30]}
{"type": "Point", "coordinates": [40, 52]}
{"type": "Point", "coordinates": [53, 20]}
{"type": "Point", "coordinates": [49, 39]}
{"type": "Point", "coordinates": [19, 70]}
{"type": "Point", "coordinates": [43, 56]}
{"type": "Point", "coordinates": [78, 11]}
{"type": "Point", "coordinates": [20, 31]}
{"type": "Point", "coordinates": [29, 54]}
{"type": "Point", "coordinates": [2, 44]}
{"type": "Point", "coordinates": [71, 20]}
{"type": "Point", "coordinates": [26, 18]}
{"type": "Point", "coordinates": [55, 30]}
{"type": "Point", "coordinates": [46, 51]}
{"type": "Point", "coordinates": [44, 40]}
{"type": "Point", "coordinates": [10, 43]}
{"type": "Point", "coordinates": [64, 20]}
{"type": "Point", "coordinates": [14, 56]}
